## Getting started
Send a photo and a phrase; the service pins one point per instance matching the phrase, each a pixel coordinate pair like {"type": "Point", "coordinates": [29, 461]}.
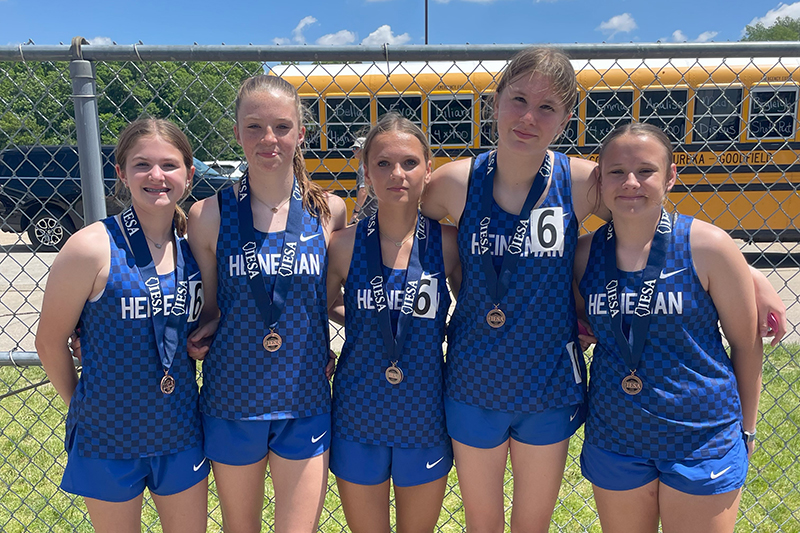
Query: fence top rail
{"type": "Point", "coordinates": [272, 53]}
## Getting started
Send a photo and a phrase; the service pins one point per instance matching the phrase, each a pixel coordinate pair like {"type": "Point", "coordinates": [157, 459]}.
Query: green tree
{"type": "Point", "coordinates": [784, 29]}
{"type": "Point", "coordinates": [36, 101]}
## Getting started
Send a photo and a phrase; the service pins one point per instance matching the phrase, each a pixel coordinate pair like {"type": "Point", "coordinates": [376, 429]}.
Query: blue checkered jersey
{"type": "Point", "coordinates": [241, 380]}
{"type": "Point", "coordinates": [366, 407]}
{"type": "Point", "coordinates": [689, 406]}
{"type": "Point", "coordinates": [533, 361]}
{"type": "Point", "coordinates": [118, 410]}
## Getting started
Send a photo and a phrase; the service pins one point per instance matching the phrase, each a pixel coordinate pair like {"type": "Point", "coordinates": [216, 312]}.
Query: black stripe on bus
{"type": "Point", "coordinates": [734, 187]}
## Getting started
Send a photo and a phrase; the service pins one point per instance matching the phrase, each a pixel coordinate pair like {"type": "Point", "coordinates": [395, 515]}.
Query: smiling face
{"type": "Point", "coordinates": [529, 114]}
{"type": "Point", "coordinates": [268, 129]}
{"type": "Point", "coordinates": [155, 173]}
{"type": "Point", "coordinates": [636, 173]}
{"type": "Point", "coordinates": [396, 168]}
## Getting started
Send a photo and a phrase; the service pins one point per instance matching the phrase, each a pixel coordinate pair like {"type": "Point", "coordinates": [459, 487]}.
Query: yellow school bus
{"type": "Point", "coordinates": [733, 124]}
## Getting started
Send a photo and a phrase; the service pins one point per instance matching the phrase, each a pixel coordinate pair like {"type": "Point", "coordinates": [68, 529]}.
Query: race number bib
{"type": "Point", "coordinates": [195, 300]}
{"type": "Point", "coordinates": [427, 297]}
{"type": "Point", "coordinates": [547, 229]}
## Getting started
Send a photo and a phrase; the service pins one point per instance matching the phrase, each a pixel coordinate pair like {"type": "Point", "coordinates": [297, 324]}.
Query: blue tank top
{"type": "Point", "coordinates": [533, 362]}
{"type": "Point", "coordinates": [241, 380]}
{"type": "Point", "coordinates": [118, 410]}
{"type": "Point", "coordinates": [366, 407]}
{"type": "Point", "coordinates": [689, 405]}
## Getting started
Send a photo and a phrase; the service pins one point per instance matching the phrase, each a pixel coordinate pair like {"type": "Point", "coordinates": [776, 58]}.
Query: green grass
{"type": "Point", "coordinates": [32, 459]}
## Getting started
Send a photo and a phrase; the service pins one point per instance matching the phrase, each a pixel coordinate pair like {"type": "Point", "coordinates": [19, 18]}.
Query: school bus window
{"type": "Point", "coordinates": [772, 113]}
{"type": "Point", "coordinates": [605, 110]}
{"type": "Point", "coordinates": [408, 106]}
{"type": "Point", "coordinates": [347, 118]}
{"type": "Point", "coordinates": [488, 139]}
{"type": "Point", "coordinates": [450, 120]}
{"type": "Point", "coordinates": [665, 110]}
{"type": "Point", "coordinates": [717, 115]}
{"type": "Point", "coordinates": [313, 129]}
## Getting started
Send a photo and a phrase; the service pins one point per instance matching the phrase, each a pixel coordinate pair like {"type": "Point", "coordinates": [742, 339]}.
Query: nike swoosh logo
{"type": "Point", "coordinates": [429, 465]}
{"type": "Point", "coordinates": [665, 275]}
{"type": "Point", "coordinates": [305, 238]}
{"type": "Point", "coordinates": [576, 414]}
{"type": "Point", "coordinates": [314, 440]}
{"type": "Point", "coordinates": [716, 475]}
{"type": "Point", "coordinates": [197, 467]}
{"type": "Point", "coordinates": [194, 276]}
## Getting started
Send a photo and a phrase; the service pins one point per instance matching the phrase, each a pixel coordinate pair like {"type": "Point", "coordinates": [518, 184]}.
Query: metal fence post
{"type": "Point", "coordinates": [87, 123]}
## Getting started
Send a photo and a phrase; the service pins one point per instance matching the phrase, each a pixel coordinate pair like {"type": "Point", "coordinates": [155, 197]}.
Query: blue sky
{"type": "Point", "coordinates": [353, 22]}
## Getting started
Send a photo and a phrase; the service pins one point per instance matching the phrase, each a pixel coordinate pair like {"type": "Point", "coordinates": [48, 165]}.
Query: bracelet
{"type": "Point", "coordinates": [749, 436]}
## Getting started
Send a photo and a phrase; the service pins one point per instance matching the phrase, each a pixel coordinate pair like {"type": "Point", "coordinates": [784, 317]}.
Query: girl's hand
{"type": "Point", "coordinates": [585, 334]}
{"type": "Point", "coordinates": [75, 344]}
{"type": "Point", "coordinates": [771, 309]}
{"type": "Point", "coordinates": [330, 368]}
{"type": "Point", "coordinates": [200, 340]}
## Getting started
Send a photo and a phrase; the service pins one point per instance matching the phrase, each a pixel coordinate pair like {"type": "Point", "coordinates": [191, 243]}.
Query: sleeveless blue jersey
{"type": "Point", "coordinates": [533, 362]}
{"type": "Point", "coordinates": [241, 380]}
{"type": "Point", "coordinates": [689, 406]}
{"type": "Point", "coordinates": [366, 407]}
{"type": "Point", "coordinates": [118, 410]}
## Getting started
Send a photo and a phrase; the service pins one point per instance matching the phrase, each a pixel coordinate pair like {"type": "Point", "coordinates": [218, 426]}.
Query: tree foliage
{"type": "Point", "coordinates": [784, 29]}
{"type": "Point", "coordinates": [36, 101]}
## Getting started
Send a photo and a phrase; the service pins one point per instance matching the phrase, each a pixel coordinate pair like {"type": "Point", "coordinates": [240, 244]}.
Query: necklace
{"type": "Point", "coordinates": [398, 243]}
{"type": "Point", "coordinates": [275, 209]}
{"type": "Point", "coordinates": [157, 245]}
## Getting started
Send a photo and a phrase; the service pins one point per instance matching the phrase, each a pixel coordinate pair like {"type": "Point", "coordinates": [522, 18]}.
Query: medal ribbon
{"type": "Point", "coordinates": [271, 307]}
{"type": "Point", "coordinates": [498, 285]}
{"type": "Point", "coordinates": [166, 327]}
{"type": "Point", "coordinates": [392, 343]}
{"type": "Point", "coordinates": [631, 347]}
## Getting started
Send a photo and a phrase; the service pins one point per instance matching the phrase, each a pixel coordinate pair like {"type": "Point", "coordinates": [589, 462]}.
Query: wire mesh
{"type": "Point", "coordinates": [733, 120]}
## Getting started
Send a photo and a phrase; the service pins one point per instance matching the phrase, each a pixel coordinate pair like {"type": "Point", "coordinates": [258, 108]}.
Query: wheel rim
{"type": "Point", "coordinates": [49, 231]}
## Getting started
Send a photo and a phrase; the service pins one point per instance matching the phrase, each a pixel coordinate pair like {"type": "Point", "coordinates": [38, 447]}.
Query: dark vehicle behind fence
{"type": "Point", "coordinates": [40, 191]}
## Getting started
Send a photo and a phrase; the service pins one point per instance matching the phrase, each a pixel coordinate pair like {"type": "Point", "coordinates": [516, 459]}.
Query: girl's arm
{"type": "Point", "coordinates": [452, 262]}
{"type": "Point", "coordinates": [586, 190]}
{"type": "Point", "coordinates": [203, 229]}
{"type": "Point", "coordinates": [724, 273]}
{"type": "Point", "coordinates": [768, 302]}
{"type": "Point", "coordinates": [446, 193]}
{"type": "Point", "coordinates": [340, 252]}
{"type": "Point", "coordinates": [79, 272]}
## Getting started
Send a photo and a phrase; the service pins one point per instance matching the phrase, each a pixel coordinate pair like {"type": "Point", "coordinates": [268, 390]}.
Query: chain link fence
{"type": "Point", "coordinates": [731, 109]}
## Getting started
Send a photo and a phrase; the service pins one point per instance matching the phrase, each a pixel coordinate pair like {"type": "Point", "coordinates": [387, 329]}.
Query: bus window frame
{"type": "Point", "coordinates": [765, 87]}
{"type": "Point", "coordinates": [684, 115]}
{"type": "Point", "coordinates": [694, 117]}
{"type": "Point", "coordinates": [615, 91]}
{"type": "Point", "coordinates": [354, 133]}
{"type": "Point", "coordinates": [452, 95]}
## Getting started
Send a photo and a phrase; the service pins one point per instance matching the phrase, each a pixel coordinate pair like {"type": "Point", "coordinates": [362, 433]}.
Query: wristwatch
{"type": "Point", "coordinates": [749, 436]}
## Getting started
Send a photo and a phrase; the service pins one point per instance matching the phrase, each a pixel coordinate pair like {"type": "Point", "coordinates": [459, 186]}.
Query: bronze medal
{"type": "Point", "coordinates": [393, 374]}
{"type": "Point", "coordinates": [272, 342]}
{"type": "Point", "coordinates": [167, 384]}
{"type": "Point", "coordinates": [496, 318]}
{"type": "Point", "coordinates": [632, 385]}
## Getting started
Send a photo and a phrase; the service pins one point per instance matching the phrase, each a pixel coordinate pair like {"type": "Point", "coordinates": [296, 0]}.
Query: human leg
{"type": "Point", "coordinates": [116, 517]}
{"type": "Point", "coordinates": [628, 511]}
{"type": "Point", "coordinates": [186, 511]}
{"type": "Point", "coordinates": [418, 507]}
{"type": "Point", "coordinates": [480, 478]}
{"type": "Point", "coordinates": [241, 495]}
{"type": "Point", "coordinates": [366, 507]}
{"type": "Point", "coordinates": [688, 513]}
{"type": "Point", "coordinates": [300, 487]}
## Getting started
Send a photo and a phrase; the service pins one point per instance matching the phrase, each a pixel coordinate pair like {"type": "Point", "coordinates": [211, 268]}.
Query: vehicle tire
{"type": "Point", "coordinates": [49, 230]}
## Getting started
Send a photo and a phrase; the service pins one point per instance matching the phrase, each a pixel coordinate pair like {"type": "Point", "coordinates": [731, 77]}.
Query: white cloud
{"type": "Point", "coordinates": [297, 33]}
{"type": "Point", "coordinates": [783, 10]}
{"type": "Point", "coordinates": [383, 35]}
{"type": "Point", "coordinates": [679, 37]}
{"type": "Point", "coordinates": [706, 36]}
{"type": "Point", "coordinates": [337, 39]}
{"type": "Point", "coordinates": [101, 41]}
{"type": "Point", "coordinates": [617, 24]}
